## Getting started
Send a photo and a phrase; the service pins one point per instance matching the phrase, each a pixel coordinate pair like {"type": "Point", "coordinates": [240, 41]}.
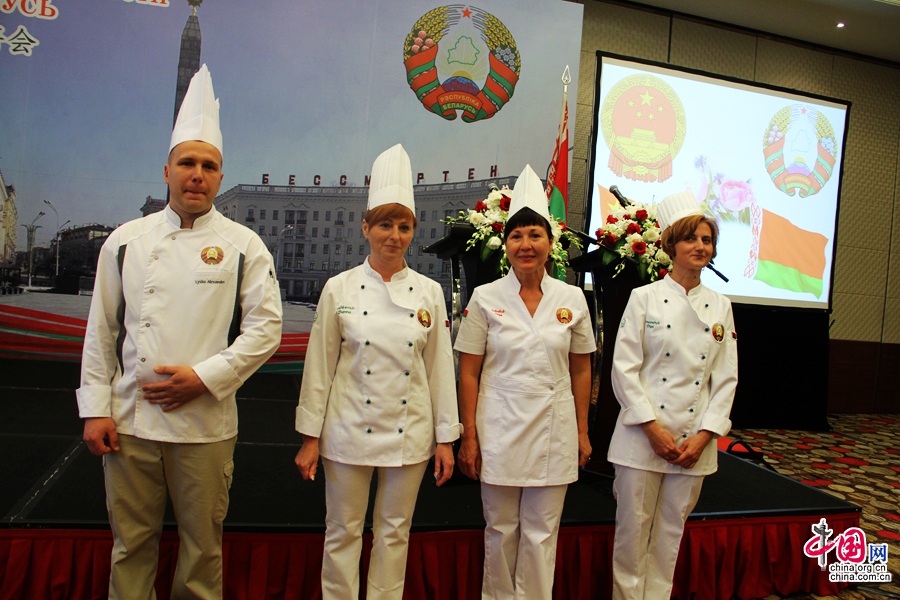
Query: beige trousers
{"type": "Point", "coordinates": [651, 511]}
{"type": "Point", "coordinates": [346, 500]}
{"type": "Point", "coordinates": [138, 478]}
{"type": "Point", "coordinates": [520, 540]}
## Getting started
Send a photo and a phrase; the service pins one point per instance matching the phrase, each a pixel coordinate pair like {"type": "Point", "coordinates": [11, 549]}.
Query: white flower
{"type": "Point", "coordinates": [494, 242]}
{"type": "Point", "coordinates": [479, 219]}
{"type": "Point", "coordinates": [662, 257]}
{"type": "Point", "coordinates": [634, 237]}
{"type": "Point", "coordinates": [651, 235]}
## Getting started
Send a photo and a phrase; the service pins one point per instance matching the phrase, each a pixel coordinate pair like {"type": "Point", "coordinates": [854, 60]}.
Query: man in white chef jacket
{"type": "Point", "coordinates": [674, 374]}
{"type": "Point", "coordinates": [185, 308]}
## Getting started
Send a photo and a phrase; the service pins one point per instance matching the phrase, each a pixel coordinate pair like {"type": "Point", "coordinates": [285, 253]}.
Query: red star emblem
{"type": "Point", "coordinates": [467, 13]}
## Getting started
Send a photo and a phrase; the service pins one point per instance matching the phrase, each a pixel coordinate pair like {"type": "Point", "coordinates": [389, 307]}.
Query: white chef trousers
{"type": "Point", "coordinates": [197, 478]}
{"type": "Point", "coordinates": [520, 540]}
{"type": "Point", "coordinates": [651, 511]}
{"type": "Point", "coordinates": [346, 500]}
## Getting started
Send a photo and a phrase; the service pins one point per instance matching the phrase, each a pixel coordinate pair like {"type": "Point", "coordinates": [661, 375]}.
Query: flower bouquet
{"type": "Point", "coordinates": [489, 218]}
{"type": "Point", "coordinates": [631, 234]}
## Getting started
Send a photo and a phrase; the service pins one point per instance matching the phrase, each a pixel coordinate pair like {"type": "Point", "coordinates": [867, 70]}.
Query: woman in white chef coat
{"type": "Point", "coordinates": [674, 373]}
{"type": "Point", "coordinates": [377, 393]}
{"type": "Point", "coordinates": [525, 378]}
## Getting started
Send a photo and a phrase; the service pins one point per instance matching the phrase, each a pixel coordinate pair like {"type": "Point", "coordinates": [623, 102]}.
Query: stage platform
{"type": "Point", "coordinates": [744, 538]}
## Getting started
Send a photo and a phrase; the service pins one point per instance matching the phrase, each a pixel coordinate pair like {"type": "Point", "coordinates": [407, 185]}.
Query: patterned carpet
{"type": "Point", "coordinates": [859, 461]}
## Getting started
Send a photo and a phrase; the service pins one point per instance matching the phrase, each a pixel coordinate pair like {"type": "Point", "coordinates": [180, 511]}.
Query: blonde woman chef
{"type": "Point", "coordinates": [674, 373]}
{"type": "Point", "coordinates": [377, 392]}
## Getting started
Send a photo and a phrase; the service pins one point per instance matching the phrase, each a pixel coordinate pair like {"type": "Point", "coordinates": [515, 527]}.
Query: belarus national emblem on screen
{"type": "Point", "coordinates": [800, 150]}
{"type": "Point", "coordinates": [461, 58]}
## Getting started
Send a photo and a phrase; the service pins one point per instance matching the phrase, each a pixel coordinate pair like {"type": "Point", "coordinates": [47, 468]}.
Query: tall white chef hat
{"type": "Point", "coordinates": [391, 180]}
{"type": "Point", "coordinates": [677, 206]}
{"type": "Point", "coordinates": [198, 117]}
{"type": "Point", "coordinates": [529, 193]}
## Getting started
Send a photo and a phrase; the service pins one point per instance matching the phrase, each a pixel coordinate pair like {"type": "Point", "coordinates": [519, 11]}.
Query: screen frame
{"type": "Point", "coordinates": [730, 81]}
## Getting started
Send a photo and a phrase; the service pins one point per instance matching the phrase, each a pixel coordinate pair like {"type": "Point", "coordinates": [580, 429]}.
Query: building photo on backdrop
{"type": "Point", "coordinates": [788, 139]}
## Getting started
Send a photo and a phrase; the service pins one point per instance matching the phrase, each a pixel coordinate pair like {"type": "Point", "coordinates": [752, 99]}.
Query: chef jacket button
{"type": "Point", "coordinates": [400, 430]}
{"type": "Point", "coordinates": [173, 237]}
{"type": "Point", "coordinates": [410, 288]}
{"type": "Point", "coordinates": [151, 290]}
{"type": "Point", "coordinates": [690, 410]}
{"type": "Point", "coordinates": [706, 306]}
{"type": "Point", "coordinates": [368, 430]}
{"type": "Point", "coordinates": [666, 301]}
{"type": "Point", "coordinates": [668, 354]}
{"type": "Point", "coordinates": [403, 402]}
{"type": "Point", "coordinates": [368, 401]}
{"type": "Point", "coordinates": [146, 324]}
{"type": "Point", "coordinates": [143, 360]}
{"type": "Point", "coordinates": [668, 327]}
{"type": "Point", "coordinates": [365, 312]}
{"type": "Point", "coordinates": [702, 357]}
{"type": "Point", "coordinates": [665, 379]}
{"type": "Point", "coordinates": [406, 373]}
{"type": "Point", "coordinates": [696, 383]}
{"type": "Point", "coordinates": [368, 372]}
{"type": "Point", "coordinates": [684, 435]}
{"type": "Point", "coordinates": [155, 258]}
{"type": "Point", "coordinates": [367, 342]}
{"type": "Point", "coordinates": [409, 344]}
{"type": "Point", "coordinates": [707, 329]}
{"type": "Point", "coordinates": [362, 287]}
{"type": "Point", "coordinates": [662, 405]}
{"type": "Point", "coordinates": [411, 315]}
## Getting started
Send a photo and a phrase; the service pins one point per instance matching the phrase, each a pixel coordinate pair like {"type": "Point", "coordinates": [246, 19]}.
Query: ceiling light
{"type": "Point", "coordinates": [840, 24]}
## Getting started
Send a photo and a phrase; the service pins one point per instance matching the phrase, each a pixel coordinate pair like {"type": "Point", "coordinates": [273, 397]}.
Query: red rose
{"type": "Point", "coordinates": [663, 273]}
{"type": "Point", "coordinates": [504, 203]}
{"type": "Point", "coordinates": [608, 239]}
{"type": "Point", "coordinates": [639, 247]}
{"type": "Point", "coordinates": [633, 228]}
{"type": "Point", "coordinates": [626, 216]}
{"type": "Point", "coordinates": [562, 226]}
{"type": "Point", "coordinates": [480, 206]}
{"type": "Point", "coordinates": [641, 215]}
{"type": "Point", "coordinates": [611, 219]}
{"type": "Point", "coordinates": [497, 227]}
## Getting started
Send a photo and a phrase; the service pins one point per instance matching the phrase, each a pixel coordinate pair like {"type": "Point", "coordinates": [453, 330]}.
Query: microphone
{"type": "Point", "coordinates": [716, 271]}
{"type": "Point", "coordinates": [614, 190]}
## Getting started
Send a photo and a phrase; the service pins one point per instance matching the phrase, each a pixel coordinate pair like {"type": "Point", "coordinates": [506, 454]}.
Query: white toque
{"type": "Point", "coordinates": [391, 180]}
{"type": "Point", "coordinates": [198, 117]}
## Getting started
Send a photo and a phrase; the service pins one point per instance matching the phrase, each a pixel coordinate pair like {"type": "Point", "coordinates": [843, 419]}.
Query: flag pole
{"type": "Point", "coordinates": [563, 122]}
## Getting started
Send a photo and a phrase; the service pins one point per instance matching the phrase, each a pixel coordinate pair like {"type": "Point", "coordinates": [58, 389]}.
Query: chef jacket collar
{"type": "Point", "coordinates": [674, 285]}
{"type": "Point", "coordinates": [513, 282]}
{"type": "Point", "coordinates": [175, 220]}
{"type": "Point", "coordinates": [398, 276]}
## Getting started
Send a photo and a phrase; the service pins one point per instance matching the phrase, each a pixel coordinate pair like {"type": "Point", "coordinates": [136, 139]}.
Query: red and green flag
{"type": "Point", "coordinates": [558, 173]}
{"type": "Point", "coordinates": [784, 255]}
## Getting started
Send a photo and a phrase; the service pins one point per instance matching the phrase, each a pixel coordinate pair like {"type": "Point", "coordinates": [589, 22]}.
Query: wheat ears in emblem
{"type": "Point", "coordinates": [461, 58]}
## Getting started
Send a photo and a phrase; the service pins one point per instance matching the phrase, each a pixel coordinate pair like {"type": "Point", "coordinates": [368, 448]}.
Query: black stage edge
{"type": "Point", "coordinates": [50, 480]}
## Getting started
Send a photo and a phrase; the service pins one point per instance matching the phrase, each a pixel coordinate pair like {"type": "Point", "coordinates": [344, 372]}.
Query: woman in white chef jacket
{"type": "Point", "coordinates": [525, 377]}
{"type": "Point", "coordinates": [377, 392]}
{"type": "Point", "coordinates": [674, 373]}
